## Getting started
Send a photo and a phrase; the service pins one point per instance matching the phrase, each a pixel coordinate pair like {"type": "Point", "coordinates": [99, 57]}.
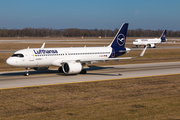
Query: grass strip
{"type": "Point", "coordinates": [137, 98]}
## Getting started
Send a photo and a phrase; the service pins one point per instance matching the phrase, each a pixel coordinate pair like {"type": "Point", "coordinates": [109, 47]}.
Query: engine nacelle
{"type": "Point", "coordinates": [40, 68]}
{"type": "Point", "coordinates": [152, 45]}
{"type": "Point", "coordinates": [72, 68]}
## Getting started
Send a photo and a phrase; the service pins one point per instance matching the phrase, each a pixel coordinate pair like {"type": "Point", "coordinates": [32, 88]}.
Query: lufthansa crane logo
{"type": "Point", "coordinates": [121, 39]}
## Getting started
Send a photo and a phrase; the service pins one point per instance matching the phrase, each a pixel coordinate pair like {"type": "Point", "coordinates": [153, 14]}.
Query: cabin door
{"type": "Point", "coordinates": [31, 55]}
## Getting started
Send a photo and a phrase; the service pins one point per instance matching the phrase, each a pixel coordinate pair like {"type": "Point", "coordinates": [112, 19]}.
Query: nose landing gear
{"type": "Point", "coordinates": [27, 72]}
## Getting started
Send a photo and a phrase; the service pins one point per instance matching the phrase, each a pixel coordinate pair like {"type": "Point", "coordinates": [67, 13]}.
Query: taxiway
{"type": "Point", "coordinates": [132, 49]}
{"type": "Point", "coordinates": [94, 73]}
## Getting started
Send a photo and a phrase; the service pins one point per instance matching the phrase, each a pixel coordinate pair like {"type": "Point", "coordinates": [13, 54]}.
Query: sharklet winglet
{"type": "Point", "coordinates": [43, 45]}
{"type": "Point", "coordinates": [142, 53]}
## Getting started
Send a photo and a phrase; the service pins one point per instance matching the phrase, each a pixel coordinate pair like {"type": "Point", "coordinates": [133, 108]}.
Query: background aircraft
{"type": "Point", "coordinates": [150, 42]}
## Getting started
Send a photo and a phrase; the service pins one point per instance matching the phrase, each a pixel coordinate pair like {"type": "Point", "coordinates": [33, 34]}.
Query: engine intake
{"type": "Point", "coordinates": [72, 68]}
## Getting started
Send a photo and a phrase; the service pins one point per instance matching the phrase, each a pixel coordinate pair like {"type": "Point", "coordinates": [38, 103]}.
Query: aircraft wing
{"type": "Point", "coordinates": [106, 59]}
{"type": "Point", "coordinates": [59, 62]}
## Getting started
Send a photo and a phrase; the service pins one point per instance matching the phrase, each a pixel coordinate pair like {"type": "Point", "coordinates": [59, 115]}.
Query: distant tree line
{"type": "Point", "coordinates": [74, 32]}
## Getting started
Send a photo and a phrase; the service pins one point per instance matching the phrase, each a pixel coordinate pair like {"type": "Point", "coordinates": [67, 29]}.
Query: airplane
{"type": "Point", "coordinates": [150, 42]}
{"type": "Point", "coordinates": [71, 60]}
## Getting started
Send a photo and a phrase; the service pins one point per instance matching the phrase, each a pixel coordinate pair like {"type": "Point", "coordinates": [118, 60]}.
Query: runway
{"type": "Point", "coordinates": [94, 73]}
{"type": "Point", "coordinates": [100, 42]}
{"type": "Point", "coordinates": [53, 41]}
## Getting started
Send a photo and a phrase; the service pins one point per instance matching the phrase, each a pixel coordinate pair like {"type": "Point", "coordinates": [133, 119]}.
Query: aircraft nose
{"type": "Point", "coordinates": [10, 62]}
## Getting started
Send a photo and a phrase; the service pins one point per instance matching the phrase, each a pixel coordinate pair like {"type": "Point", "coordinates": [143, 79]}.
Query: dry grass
{"type": "Point", "coordinates": [51, 38]}
{"type": "Point", "coordinates": [72, 38]}
{"type": "Point", "coordinates": [17, 46]}
{"type": "Point", "coordinates": [138, 98]}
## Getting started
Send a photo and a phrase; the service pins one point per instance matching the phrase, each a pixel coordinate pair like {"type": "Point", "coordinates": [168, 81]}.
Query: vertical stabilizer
{"type": "Point", "coordinates": [120, 38]}
{"type": "Point", "coordinates": [163, 36]}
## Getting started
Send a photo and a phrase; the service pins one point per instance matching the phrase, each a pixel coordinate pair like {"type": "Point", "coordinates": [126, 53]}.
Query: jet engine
{"type": "Point", "coordinates": [72, 68]}
{"type": "Point", "coordinates": [40, 68]}
{"type": "Point", "coordinates": [152, 45]}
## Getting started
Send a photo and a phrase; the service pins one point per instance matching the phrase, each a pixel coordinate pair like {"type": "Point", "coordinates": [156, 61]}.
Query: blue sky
{"type": "Point", "coordinates": [90, 14]}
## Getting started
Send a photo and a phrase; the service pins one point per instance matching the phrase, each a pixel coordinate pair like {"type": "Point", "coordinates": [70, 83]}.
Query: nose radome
{"type": "Point", "coordinates": [10, 62]}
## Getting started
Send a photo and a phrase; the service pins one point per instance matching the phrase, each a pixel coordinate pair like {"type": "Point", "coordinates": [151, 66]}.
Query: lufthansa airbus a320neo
{"type": "Point", "coordinates": [151, 42]}
{"type": "Point", "coordinates": [71, 60]}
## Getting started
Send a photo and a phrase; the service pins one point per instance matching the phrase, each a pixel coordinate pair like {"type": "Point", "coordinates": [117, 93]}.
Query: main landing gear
{"type": "Point", "coordinates": [27, 72]}
{"type": "Point", "coordinates": [137, 46]}
{"type": "Point", "coordinates": [83, 71]}
{"type": "Point", "coordinates": [60, 70]}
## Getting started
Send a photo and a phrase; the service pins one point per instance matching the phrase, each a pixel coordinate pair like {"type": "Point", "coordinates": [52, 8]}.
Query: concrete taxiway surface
{"type": "Point", "coordinates": [94, 73]}
{"type": "Point", "coordinates": [100, 42]}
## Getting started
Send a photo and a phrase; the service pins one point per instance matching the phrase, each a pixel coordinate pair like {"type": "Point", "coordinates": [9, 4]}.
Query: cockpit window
{"type": "Point", "coordinates": [135, 40]}
{"type": "Point", "coordinates": [17, 55]}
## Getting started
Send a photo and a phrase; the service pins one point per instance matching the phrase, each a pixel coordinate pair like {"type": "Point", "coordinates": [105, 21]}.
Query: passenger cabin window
{"type": "Point", "coordinates": [17, 55]}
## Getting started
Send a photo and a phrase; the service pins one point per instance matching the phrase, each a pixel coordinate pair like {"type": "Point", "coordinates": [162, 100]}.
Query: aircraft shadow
{"type": "Point", "coordinates": [30, 72]}
{"type": "Point", "coordinates": [94, 68]}
{"type": "Point", "coordinates": [104, 74]}
{"type": "Point", "coordinates": [91, 68]}
{"type": "Point", "coordinates": [41, 72]}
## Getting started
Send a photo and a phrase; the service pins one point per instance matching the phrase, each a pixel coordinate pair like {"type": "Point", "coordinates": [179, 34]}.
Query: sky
{"type": "Point", "coordinates": [90, 14]}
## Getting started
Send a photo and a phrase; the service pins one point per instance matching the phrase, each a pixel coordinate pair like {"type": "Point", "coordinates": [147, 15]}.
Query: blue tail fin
{"type": "Point", "coordinates": [120, 38]}
{"type": "Point", "coordinates": [163, 36]}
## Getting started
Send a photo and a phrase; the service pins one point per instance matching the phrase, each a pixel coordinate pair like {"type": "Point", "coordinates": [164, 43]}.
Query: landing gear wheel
{"type": "Point", "coordinates": [137, 46]}
{"type": "Point", "coordinates": [26, 74]}
{"type": "Point", "coordinates": [60, 69]}
{"type": "Point", "coordinates": [83, 71]}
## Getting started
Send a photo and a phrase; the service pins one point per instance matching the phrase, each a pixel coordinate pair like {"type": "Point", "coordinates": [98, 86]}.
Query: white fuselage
{"type": "Point", "coordinates": [146, 41]}
{"type": "Point", "coordinates": [38, 57]}
{"type": "Point", "coordinates": [71, 60]}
